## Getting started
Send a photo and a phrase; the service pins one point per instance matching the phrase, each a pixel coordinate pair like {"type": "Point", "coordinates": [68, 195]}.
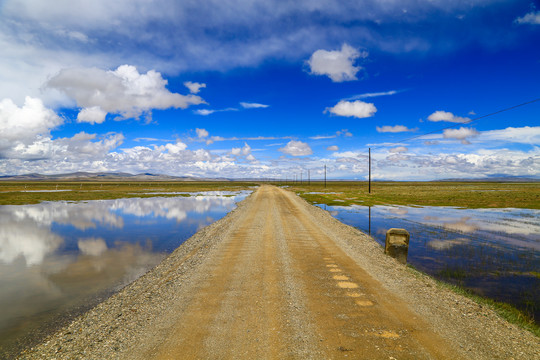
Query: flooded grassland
{"type": "Point", "coordinates": [59, 258]}
{"type": "Point", "coordinates": [484, 237]}
{"type": "Point", "coordinates": [33, 192]}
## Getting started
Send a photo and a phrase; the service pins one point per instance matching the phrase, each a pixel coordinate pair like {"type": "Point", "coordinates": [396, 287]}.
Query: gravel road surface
{"type": "Point", "coordinates": [278, 278]}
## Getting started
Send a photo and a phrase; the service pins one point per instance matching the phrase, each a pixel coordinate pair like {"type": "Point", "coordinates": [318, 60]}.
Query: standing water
{"type": "Point", "coordinates": [493, 252]}
{"type": "Point", "coordinates": [58, 259]}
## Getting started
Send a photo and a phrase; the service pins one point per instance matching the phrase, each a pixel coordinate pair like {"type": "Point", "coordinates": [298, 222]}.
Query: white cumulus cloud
{"type": "Point", "coordinates": [201, 133]}
{"type": "Point", "coordinates": [398, 149]}
{"type": "Point", "coordinates": [26, 130]}
{"type": "Point", "coordinates": [123, 91]}
{"type": "Point", "coordinates": [332, 148]}
{"type": "Point", "coordinates": [447, 116]}
{"type": "Point", "coordinates": [92, 115]}
{"type": "Point", "coordinates": [194, 87]}
{"type": "Point", "coordinates": [524, 135]}
{"type": "Point", "coordinates": [296, 148]}
{"type": "Point", "coordinates": [358, 109]}
{"type": "Point", "coordinates": [247, 105]}
{"type": "Point", "coordinates": [245, 150]}
{"type": "Point", "coordinates": [174, 149]}
{"type": "Point", "coordinates": [27, 121]}
{"type": "Point", "coordinates": [375, 94]}
{"type": "Point", "coordinates": [460, 134]}
{"type": "Point", "coordinates": [532, 18]}
{"type": "Point", "coordinates": [338, 65]}
{"type": "Point", "coordinates": [204, 112]}
{"type": "Point", "coordinates": [83, 146]}
{"type": "Point", "coordinates": [394, 129]}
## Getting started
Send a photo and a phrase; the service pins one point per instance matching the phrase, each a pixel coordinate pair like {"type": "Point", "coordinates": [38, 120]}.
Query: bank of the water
{"type": "Point", "coordinates": [59, 259]}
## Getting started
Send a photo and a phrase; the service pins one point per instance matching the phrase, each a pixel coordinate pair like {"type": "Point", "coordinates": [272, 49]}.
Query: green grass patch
{"type": "Point", "coordinates": [453, 273]}
{"type": "Point", "coordinates": [457, 194]}
{"type": "Point", "coordinates": [19, 193]}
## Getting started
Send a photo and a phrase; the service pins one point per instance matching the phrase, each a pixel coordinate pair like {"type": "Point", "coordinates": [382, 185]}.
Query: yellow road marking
{"type": "Point", "coordinates": [364, 303]}
{"type": "Point", "coordinates": [347, 285]}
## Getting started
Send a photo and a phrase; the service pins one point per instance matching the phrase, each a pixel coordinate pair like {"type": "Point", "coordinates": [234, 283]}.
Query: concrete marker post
{"type": "Point", "coordinates": [397, 244]}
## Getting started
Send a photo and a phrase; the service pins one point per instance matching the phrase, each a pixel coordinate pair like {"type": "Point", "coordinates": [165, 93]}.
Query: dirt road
{"type": "Point", "coordinates": [279, 279]}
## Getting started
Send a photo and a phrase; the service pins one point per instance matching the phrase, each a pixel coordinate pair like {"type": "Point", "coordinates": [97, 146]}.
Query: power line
{"type": "Point", "coordinates": [458, 124]}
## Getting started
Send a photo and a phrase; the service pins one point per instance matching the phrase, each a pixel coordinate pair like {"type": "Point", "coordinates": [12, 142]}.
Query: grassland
{"type": "Point", "coordinates": [459, 194]}
{"type": "Point", "coordinates": [18, 193]}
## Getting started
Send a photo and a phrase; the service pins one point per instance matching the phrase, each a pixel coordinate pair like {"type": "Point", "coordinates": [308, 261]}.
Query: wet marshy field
{"type": "Point", "coordinates": [59, 258]}
{"type": "Point", "coordinates": [493, 252]}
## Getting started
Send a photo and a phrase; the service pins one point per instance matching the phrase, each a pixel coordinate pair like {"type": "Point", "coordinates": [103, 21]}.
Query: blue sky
{"type": "Point", "coordinates": [265, 89]}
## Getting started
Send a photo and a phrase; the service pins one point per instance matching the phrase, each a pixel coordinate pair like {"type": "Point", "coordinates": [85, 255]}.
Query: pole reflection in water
{"type": "Point", "coordinates": [369, 228]}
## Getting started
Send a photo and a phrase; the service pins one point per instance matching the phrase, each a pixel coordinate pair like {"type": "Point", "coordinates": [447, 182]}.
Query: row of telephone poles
{"type": "Point", "coordinates": [296, 179]}
{"type": "Point", "coordinates": [299, 179]}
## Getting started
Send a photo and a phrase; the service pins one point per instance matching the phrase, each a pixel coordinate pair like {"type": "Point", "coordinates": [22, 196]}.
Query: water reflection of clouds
{"type": "Point", "coordinates": [398, 210]}
{"type": "Point", "coordinates": [26, 229]}
{"type": "Point", "coordinates": [461, 225]}
{"type": "Point", "coordinates": [26, 239]}
{"type": "Point", "coordinates": [111, 267]}
{"type": "Point", "coordinates": [92, 246]}
{"type": "Point", "coordinates": [57, 255]}
{"type": "Point", "coordinates": [171, 207]}
{"type": "Point", "coordinates": [505, 221]}
{"type": "Point", "coordinates": [62, 279]}
{"type": "Point", "coordinates": [497, 249]}
{"type": "Point", "coordinates": [447, 244]}
{"type": "Point", "coordinates": [84, 215]}
{"type": "Point", "coordinates": [515, 227]}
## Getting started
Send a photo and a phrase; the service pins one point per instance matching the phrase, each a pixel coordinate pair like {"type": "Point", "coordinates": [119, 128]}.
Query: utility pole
{"type": "Point", "coordinates": [369, 170]}
{"type": "Point", "coordinates": [308, 178]}
{"type": "Point", "coordinates": [325, 175]}
{"type": "Point", "coordinates": [301, 177]}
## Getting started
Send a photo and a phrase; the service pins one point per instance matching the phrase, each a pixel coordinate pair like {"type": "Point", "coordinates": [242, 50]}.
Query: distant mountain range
{"type": "Point", "coordinates": [499, 178]}
{"type": "Point", "coordinates": [121, 176]}
{"type": "Point", "coordinates": [103, 176]}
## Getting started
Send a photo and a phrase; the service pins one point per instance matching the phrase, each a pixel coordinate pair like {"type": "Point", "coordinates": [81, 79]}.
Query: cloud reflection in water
{"type": "Point", "coordinates": [59, 255]}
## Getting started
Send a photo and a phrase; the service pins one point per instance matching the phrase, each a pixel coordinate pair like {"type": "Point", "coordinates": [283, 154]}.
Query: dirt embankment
{"type": "Point", "coordinates": [279, 278]}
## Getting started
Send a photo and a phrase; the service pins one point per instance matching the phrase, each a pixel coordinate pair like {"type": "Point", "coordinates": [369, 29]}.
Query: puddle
{"type": "Point", "coordinates": [200, 193]}
{"type": "Point", "coordinates": [44, 191]}
{"type": "Point", "coordinates": [493, 252]}
{"type": "Point", "coordinates": [60, 258]}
